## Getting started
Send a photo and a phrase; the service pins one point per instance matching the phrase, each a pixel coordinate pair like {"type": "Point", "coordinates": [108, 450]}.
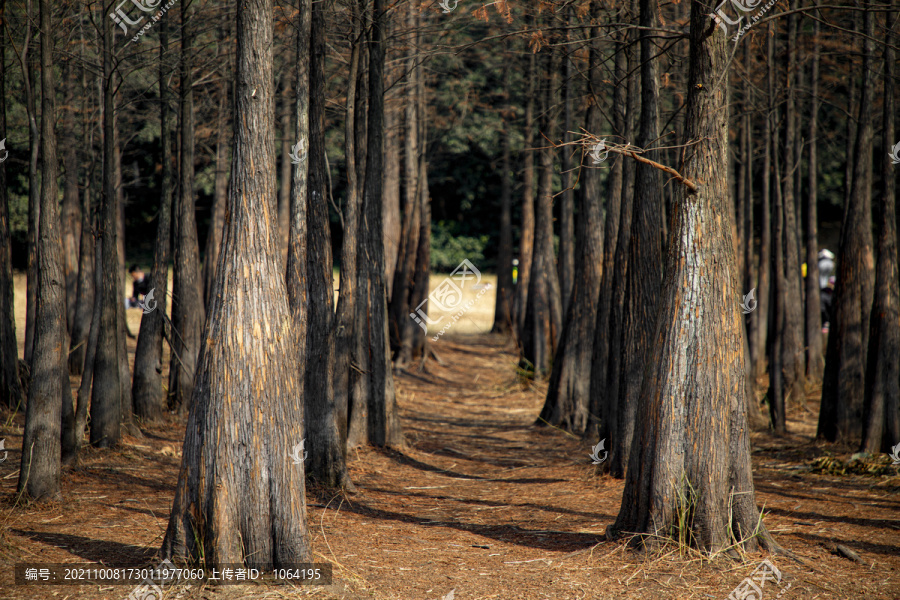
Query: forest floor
{"type": "Point", "coordinates": [480, 504]}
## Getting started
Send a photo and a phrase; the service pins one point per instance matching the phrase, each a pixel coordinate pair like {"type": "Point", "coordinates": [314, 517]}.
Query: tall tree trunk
{"type": "Point", "coordinates": [881, 423]}
{"type": "Point", "coordinates": [391, 194]}
{"type": "Point", "coordinates": [600, 350]}
{"type": "Point", "coordinates": [34, 206]}
{"type": "Point", "coordinates": [245, 408]}
{"type": "Point", "coordinates": [566, 263]}
{"type": "Point", "coordinates": [106, 396]}
{"type": "Point", "coordinates": [11, 393]}
{"type": "Point", "coordinates": [843, 389]}
{"type": "Point", "coordinates": [692, 451]}
{"type": "Point", "coordinates": [39, 473]}
{"type": "Point", "coordinates": [188, 314]}
{"type": "Point", "coordinates": [220, 199]}
{"type": "Point", "coordinates": [326, 461]}
{"type": "Point", "coordinates": [543, 313]}
{"type": "Point", "coordinates": [793, 342]}
{"type": "Point", "coordinates": [400, 324]}
{"type": "Point", "coordinates": [526, 231]}
{"type": "Point", "coordinates": [568, 395]}
{"type": "Point", "coordinates": [645, 255]}
{"type": "Point", "coordinates": [503, 315]}
{"type": "Point", "coordinates": [344, 324]}
{"type": "Point", "coordinates": [150, 402]}
{"type": "Point", "coordinates": [70, 217]}
{"type": "Point", "coordinates": [284, 190]}
{"type": "Point", "coordinates": [373, 384]}
{"type": "Point", "coordinates": [815, 361]}
{"type": "Point", "coordinates": [760, 320]}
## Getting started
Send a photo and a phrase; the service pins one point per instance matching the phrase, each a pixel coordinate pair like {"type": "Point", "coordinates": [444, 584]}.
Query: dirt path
{"type": "Point", "coordinates": [480, 502]}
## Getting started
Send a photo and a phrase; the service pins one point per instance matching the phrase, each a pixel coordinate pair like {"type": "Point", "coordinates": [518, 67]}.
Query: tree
{"type": "Point", "coordinates": [188, 312]}
{"type": "Point", "coordinates": [39, 473]}
{"type": "Point", "coordinates": [503, 313]}
{"type": "Point", "coordinates": [239, 498]}
{"type": "Point", "coordinates": [843, 388]}
{"type": "Point", "coordinates": [526, 231]}
{"type": "Point", "coordinates": [691, 452]}
{"type": "Point", "coordinates": [150, 402]}
{"type": "Point", "coordinates": [881, 415]}
{"type": "Point", "coordinates": [11, 393]}
{"type": "Point", "coordinates": [815, 361]}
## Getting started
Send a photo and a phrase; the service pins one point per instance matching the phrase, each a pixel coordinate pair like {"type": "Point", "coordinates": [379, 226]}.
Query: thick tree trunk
{"type": "Point", "coordinates": [70, 217]}
{"type": "Point", "coordinates": [39, 473]}
{"type": "Point", "coordinates": [566, 262]}
{"type": "Point", "coordinates": [543, 313]}
{"type": "Point", "coordinates": [645, 255]}
{"type": "Point", "coordinates": [284, 189]}
{"type": "Point", "coordinates": [843, 388]}
{"type": "Point", "coordinates": [815, 360]}
{"type": "Point", "coordinates": [760, 320]}
{"type": "Point", "coordinates": [373, 384]}
{"type": "Point", "coordinates": [326, 461]}
{"type": "Point", "coordinates": [526, 231]}
{"type": "Point", "coordinates": [106, 397]}
{"type": "Point", "coordinates": [692, 451]}
{"type": "Point", "coordinates": [391, 194]}
{"type": "Point", "coordinates": [239, 498]}
{"type": "Point", "coordinates": [87, 377]}
{"type": "Point", "coordinates": [568, 395]}
{"type": "Point", "coordinates": [188, 314]}
{"type": "Point", "coordinates": [220, 199]}
{"type": "Point", "coordinates": [11, 393]}
{"type": "Point", "coordinates": [34, 206]}
{"type": "Point", "coordinates": [150, 401]}
{"type": "Point", "coordinates": [881, 422]}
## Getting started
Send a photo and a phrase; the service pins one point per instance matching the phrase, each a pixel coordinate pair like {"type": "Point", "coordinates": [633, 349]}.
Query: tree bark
{"type": "Point", "coordinates": [503, 314]}
{"type": "Point", "coordinates": [70, 217]}
{"type": "Point", "coordinates": [391, 194]}
{"type": "Point", "coordinates": [692, 452]}
{"type": "Point", "coordinates": [568, 395]}
{"type": "Point", "coordinates": [150, 401]}
{"type": "Point", "coordinates": [34, 206]}
{"type": "Point", "coordinates": [526, 232]}
{"type": "Point", "coordinates": [284, 190]}
{"type": "Point", "coordinates": [326, 460]}
{"type": "Point", "coordinates": [239, 498]}
{"type": "Point", "coordinates": [106, 398]}
{"type": "Point", "coordinates": [188, 314]}
{"type": "Point", "coordinates": [815, 360]}
{"type": "Point", "coordinates": [645, 254]}
{"type": "Point", "coordinates": [11, 393]}
{"type": "Point", "coordinates": [566, 262]}
{"type": "Point", "coordinates": [39, 473]}
{"type": "Point", "coordinates": [220, 199]}
{"type": "Point", "coordinates": [843, 389]}
{"type": "Point", "coordinates": [881, 416]}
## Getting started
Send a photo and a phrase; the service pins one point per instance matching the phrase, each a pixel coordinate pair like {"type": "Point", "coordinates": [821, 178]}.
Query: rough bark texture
{"type": "Point", "coordinates": [645, 255]}
{"type": "Point", "coordinates": [11, 393]}
{"type": "Point", "coordinates": [815, 360]}
{"type": "Point", "coordinates": [543, 313]}
{"type": "Point", "coordinates": [284, 188]}
{"type": "Point", "coordinates": [220, 198]}
{"type": "Point", "coordinates": [526, 231]}
{"type": "Point", "coordinates": [188, 314]}
{"type": "Point", "coordinates": [568, 395]}
{"type": "Point", "coordinates": [881, 424]}
{"type": "Point", "coordinates": [843, 388]}
{"type": "Point", "coordinates": [326, 457]}
{"type": "Point", "coordinates": [373, 384]}
{"type": "Point", "coordinates": [239, 497]}
{"type": "Point", "coordinates": [39, 473]}
{"type": "Point", "coordinates": [391, 193]}
{"type": "Point", "coordinates": [566, 261]}
{"type": "Point", "coordinates": [503, 316]}
{"type": "Point", "coordinates": [106, 397]}
{"type": "Point", "coordinates": [150, 401]}
{"type": "Point", "coordinates": [34, 200]}
{"type": "Point", "coordinates": [692, 449]}
{"type": "Point", "coordinates": [84, 306]}
{"type": "Point", "coordinates": [760, 318]}
{"type": "Point", "coordinates": [70, 216]}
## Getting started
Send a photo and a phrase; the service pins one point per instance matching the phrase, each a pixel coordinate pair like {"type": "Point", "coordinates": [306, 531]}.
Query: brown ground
{"type": "Point", "coordinates": [480, 502]}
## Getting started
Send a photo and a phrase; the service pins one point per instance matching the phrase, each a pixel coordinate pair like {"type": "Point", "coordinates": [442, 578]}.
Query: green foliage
{"type": "Point", "coordinates": [449, 248]}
